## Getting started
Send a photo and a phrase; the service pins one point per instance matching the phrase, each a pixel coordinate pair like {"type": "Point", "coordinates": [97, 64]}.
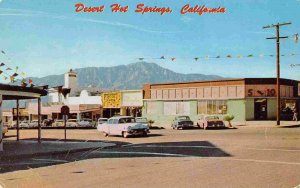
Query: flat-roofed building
{"type": "Point", "coordinates": [245, 98]}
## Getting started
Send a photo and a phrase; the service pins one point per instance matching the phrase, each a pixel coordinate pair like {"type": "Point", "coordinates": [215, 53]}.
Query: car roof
{"type": "Point", "coordinates": [120, 117]}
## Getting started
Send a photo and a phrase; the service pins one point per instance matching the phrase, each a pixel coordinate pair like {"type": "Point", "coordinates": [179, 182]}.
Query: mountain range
{"type": "Point", "coordinates": [131, 76]}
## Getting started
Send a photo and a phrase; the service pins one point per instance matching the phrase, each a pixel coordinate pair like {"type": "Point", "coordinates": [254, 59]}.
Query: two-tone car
{"type": "Point", "coordinates": [210, 121]}
{"type": "Point", "coordinates": [123, 126]}
{"type": "Point", "coordinates": [181, 122]}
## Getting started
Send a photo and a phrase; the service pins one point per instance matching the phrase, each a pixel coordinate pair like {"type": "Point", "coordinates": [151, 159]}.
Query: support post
{"type": "Point", "coordinates": [39, 120]}
{"type": "Point", "coordinates": [278, 37]}
{"type": "Point", "coordinates": [18, 122]}
{"type": "Point", "coordinates": [1, 125]}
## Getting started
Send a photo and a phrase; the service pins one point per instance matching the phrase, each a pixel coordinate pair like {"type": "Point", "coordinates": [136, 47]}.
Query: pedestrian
{"type": "Point", "coordinates": [295, 116]}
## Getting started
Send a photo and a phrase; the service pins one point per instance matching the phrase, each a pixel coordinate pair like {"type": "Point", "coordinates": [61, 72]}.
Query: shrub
{"type": "Point", "coordinates": [150, 122]}
{"type": "Point", "coordinates": [229, 118]}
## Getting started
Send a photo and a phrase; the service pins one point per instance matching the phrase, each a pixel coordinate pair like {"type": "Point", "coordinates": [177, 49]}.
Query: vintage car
{"type": "Point", "coordinates": [33, 124]}
{"type": "Point", "coordinates": [208, 121]}
{"type": "Point", "coordinates": [123, 126]}
{"type": "Point", "coordinates": [182, 122]}
{"type": "Point", "coordinates": [58, 123]}
{"type": "Point", "coordinates": [102, 120]}
{"type": "Point", "coordinates": [47, 122]}
{"type": "Point", "coordinates": [71, 123]}
{"type": "Point", "coordinates": [85, 123]}
{"type": "Point", "coordinates": [24, 124]}
{"type": "Point", "coordinates": [142, 120]}
{"type": "Point", "coordinates": [4, 129]}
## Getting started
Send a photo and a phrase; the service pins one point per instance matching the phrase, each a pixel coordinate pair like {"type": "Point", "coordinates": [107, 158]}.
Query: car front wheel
{"type": "Point", "coordinates": [125, 134]}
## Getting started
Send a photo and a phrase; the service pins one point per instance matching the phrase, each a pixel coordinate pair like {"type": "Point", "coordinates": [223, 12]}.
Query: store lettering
{"type": "Point", "coordinates": [268, 93]}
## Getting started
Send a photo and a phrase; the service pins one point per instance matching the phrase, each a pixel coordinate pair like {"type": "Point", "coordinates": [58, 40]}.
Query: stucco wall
{"type": "Point", "coordinates": [238, 109]}
{"type": "Point", "coordinates": [271, 109]}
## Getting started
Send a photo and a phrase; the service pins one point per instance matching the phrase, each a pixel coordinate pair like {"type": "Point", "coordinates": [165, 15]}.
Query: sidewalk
{"type": "Point", "coordinates": [31, 148]}
{"type": "Point", "coordinates": [266, 124]}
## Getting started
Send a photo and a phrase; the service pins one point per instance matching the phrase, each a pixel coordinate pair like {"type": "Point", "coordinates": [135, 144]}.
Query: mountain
{"type": "Point", "coordinates": [131, 76]}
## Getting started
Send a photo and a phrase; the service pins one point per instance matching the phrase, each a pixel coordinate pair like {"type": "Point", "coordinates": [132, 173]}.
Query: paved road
{"type": "Point", "coordinates": [243, 157]}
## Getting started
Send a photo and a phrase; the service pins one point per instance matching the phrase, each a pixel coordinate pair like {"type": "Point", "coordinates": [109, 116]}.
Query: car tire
{"type": "Point", "coordinates": [125, 134]}
{"type": "Point", "coordinates": [145, 134]}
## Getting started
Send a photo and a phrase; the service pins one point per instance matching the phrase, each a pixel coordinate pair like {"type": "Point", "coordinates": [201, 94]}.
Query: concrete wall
{"type": "Point", "coordinates": [238, 109]}
{"type": "Point", "coordinates": [271, 109]}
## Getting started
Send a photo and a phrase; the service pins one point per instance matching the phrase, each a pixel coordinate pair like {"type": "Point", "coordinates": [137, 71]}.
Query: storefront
{"type": "Point", "coordinates": [125, 102]}
{"type": "Point", "coordinates": [246, 99]}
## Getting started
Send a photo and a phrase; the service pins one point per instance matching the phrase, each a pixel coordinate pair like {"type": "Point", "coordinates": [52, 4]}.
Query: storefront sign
{"type": "Point", "coordinates": [111, 100]}
{"type": "Point", "coordinates": [132, 99]}
{"type": "Point", "coordinates": [268, 91]}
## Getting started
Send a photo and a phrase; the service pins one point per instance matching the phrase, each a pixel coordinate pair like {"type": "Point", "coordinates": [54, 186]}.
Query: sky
{"type": "Point", "coordinates": [48, 37]}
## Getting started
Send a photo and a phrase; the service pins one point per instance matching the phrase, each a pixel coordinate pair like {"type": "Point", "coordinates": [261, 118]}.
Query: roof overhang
{"type": "Point", "coordinates": [13, 92]}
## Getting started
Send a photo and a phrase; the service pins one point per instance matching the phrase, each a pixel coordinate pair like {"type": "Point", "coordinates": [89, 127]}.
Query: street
{"type": "Point", "coordinates": [241, 157]}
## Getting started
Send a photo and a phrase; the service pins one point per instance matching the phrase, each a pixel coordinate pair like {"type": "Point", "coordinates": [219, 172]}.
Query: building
{"type": "Point", "coordinates": [83, 102]}
{"type": "Point", "coordinates": [124, 102]}
{"type": "Point", "coordinates": [246, 99]}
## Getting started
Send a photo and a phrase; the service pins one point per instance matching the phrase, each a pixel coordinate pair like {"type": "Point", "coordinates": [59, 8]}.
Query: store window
{"type": "Point", "coordinates": [212, 107]}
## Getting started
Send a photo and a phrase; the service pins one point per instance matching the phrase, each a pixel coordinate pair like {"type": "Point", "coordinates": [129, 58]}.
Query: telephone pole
{"type": "Point", "coordinates": [278, 37]}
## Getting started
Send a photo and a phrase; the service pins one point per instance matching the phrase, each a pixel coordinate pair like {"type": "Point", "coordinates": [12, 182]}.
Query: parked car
{"type": "Point", "coordinates": [142, 120]}
{"type": "Point", "coordinates": [58, 123]}
{"type": "Point", "coordinates": [210, 121]}
{"type": "Point", "coordinates": [85, 123]}
{"type": "Point", "coordinates": [4, 129]}
{"type": "Point", "coordinates": [123, 126]}
{"type": "Point", "coordinates": [47, 122]}
{"type": "Point", "coordinates": [182, 122]}
{"type": "Point", "coordinates": [33, 124]}
{"type": "Point", "coordinates": [102, 120]}
{"type": "Point", "coordinates": [24, 124]}
{"type": "Point", "coordinates": [72, 123]}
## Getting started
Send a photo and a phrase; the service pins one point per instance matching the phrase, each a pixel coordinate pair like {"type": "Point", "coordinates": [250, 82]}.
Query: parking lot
{"type": "Point", "coordinates": [248, 156]}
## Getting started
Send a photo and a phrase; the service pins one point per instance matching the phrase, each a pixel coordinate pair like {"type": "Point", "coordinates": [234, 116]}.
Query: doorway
{"type": "Point", "coordinates": [260, 109]}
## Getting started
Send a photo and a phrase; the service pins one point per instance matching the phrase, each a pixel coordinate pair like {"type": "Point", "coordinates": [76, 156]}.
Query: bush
{"type": "Point", "coordinates": [150, 122]}
{"type": "Point", "coordinates": [228, 118]}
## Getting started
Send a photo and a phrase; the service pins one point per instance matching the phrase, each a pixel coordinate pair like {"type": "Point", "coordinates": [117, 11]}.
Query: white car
{"type": "Point", "coordinates": [24, 124]}
{"type": "Point", "coordinates": [102, 120]}
{"type": "Point", "coordinates": [142, 120]}
{"type": "Point", "coordinates": [85, 123]}
{"type": "Point", "coordinates": [123, 126]}
{"type": "Point", "coordinates": [33, 124]}
{"type": "Point", "coordinates": [71, 123]}
{"type": "Point", "coordinates": [58, 123]}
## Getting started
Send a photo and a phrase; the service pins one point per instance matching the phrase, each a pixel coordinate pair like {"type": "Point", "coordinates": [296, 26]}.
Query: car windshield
{"type": "Point", "coordinates": [183, 118]}
{"type": "Point", "coordinates": [89, 120]}
{"type": "Point", "coordinates": [102, 120]}
{"type": "Point", "coordinates": [127, 120]}
{"type": "Point", "coordinates": [211, 117]}
{"type": "Point", "coordinates": [72, 120]}
{"type": "Point", "coordinates": [141, 120]}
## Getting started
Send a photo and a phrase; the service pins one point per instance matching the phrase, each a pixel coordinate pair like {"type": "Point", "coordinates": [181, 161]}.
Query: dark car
{"type": "Point", "coordinates": [182, 122]}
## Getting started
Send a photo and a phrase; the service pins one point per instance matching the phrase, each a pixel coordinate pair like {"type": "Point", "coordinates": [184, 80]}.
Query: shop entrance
{"type": "Point", "coordinates": [260, 109]}
{"type": "Point", "coordinates": [110, 112]}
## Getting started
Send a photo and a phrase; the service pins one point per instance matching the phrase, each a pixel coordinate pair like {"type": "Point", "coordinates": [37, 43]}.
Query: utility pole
{"type": "Point", "coordinates": [278, 37]}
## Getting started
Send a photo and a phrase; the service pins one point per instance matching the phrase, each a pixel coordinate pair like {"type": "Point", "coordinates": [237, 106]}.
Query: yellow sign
{"type": "Point", "coordinates": [111, 100]}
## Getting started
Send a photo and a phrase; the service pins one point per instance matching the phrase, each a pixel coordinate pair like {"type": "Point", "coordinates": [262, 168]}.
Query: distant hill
{"type": "Point", "coordinates": [131, 76]}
